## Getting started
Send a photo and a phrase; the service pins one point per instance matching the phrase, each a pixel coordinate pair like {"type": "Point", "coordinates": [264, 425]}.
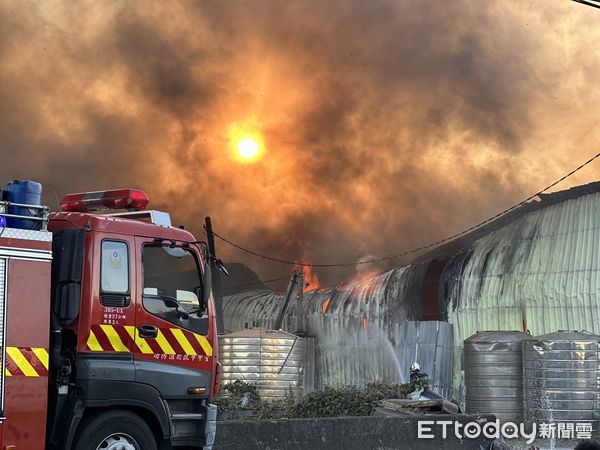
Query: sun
{"type": "Point", "coordinates": [248, 148]}
{"type": "Point", "coordinates": [246, 143]}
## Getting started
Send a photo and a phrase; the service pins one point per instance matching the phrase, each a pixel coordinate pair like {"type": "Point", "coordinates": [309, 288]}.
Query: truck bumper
{"type": "Point", "coordinates": [210, 426]}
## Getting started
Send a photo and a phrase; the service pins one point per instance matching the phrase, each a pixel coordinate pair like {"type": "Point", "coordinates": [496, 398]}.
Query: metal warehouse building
{"type": "Point", "coordinates": [536, 268]}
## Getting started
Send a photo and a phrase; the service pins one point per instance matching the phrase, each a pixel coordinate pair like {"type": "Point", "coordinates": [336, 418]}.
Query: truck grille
{"type": "Point", "coordinates": [116, 300]}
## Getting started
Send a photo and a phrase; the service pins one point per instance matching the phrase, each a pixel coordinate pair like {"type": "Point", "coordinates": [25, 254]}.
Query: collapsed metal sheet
{"type": "Point", "coordinates": [365, 331]}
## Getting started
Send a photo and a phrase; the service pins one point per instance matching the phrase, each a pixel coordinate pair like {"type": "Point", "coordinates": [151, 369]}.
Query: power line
{"type": "Point", "coordinates": [418, 249]}
{"type": "Point", "coordinates": [589, 3]}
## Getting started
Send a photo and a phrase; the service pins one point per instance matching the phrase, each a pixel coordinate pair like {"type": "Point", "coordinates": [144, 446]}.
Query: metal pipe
{"type": "Point", "coordinates": [288, 355]}
{"type": "Point", "coordinates": [17, 216]}
{"type": "Point", "coordinates": [286, 303]}
{"type": "Point", "coordinates": [23, 205]}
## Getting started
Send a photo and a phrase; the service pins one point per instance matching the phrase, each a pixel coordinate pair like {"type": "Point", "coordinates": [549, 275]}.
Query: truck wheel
{"type": "Point", "coordinates": [115, 430]}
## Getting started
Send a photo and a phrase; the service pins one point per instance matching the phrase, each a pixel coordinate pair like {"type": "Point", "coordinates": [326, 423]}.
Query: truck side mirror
{"type": "Point", "coordinates": [221, 267]}
{"type": "Point", "coordinates": [203, 293]}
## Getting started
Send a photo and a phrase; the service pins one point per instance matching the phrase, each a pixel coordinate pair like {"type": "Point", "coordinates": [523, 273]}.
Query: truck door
{"type": "Point", "coordinates": [173, 352]}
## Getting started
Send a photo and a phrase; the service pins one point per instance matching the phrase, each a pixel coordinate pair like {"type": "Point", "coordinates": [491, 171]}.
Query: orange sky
{"type": "Point", "coordinates": [386, 124]}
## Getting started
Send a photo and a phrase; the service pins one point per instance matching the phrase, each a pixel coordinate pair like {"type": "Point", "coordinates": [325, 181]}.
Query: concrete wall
{"type": "Point", "coordinates": [341, 433]}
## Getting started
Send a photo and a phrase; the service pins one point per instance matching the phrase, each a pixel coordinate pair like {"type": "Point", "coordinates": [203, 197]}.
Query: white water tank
{"type": "Point", "coordinates": [562, 377]}
{"type": "Point", "coordinates": [494, 374]}
{"type": "Point", "coordinates": [275, 362]}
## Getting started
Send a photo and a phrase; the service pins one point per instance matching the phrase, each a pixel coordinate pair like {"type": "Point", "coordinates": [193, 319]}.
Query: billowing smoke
{"type": "Point", "coordinates": [386, 124]}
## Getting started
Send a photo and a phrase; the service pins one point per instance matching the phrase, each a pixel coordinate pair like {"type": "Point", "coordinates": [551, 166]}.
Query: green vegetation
{"type": "Point", "coordinates": [241, 401]}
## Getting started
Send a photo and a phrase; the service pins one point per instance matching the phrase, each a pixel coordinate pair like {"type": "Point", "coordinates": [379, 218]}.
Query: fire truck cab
{"type": "Point", "coordinates": [107, 328]}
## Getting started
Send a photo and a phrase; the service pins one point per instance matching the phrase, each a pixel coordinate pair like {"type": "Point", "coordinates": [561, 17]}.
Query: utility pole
{"type": "Point", "coordinates": [216, 277]}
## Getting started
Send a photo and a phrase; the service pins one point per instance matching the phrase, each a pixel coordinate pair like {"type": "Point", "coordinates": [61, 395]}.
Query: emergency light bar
{"type": "Point", "coordinates": [130, 199]}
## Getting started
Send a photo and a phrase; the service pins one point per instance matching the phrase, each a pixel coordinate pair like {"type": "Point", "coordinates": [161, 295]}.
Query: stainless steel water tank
{"type": "Point", "coordinates": [561, 372]}
{"type": "Point", "coordinates": [273, 361]}
{"type": "Point", "coordinates": [492, 362]}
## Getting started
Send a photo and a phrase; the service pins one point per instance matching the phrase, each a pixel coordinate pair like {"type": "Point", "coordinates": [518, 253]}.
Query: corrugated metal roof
{"type": "Point", "coordinates": [537, 266]}
{"type": "Point", "coordinates": [545, 200]}
{"type": "Point", "coordinates": [365, 330]}
{"type": "Point", "coordinates": [541, 270]}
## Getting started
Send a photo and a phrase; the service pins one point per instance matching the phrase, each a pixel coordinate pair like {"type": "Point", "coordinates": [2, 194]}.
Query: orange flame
{"type": "Point", "coordinates": [311, 278]}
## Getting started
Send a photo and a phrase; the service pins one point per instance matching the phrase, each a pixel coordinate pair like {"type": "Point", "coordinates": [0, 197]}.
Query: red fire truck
{"type": "Point", "coordinates": [107, 328]}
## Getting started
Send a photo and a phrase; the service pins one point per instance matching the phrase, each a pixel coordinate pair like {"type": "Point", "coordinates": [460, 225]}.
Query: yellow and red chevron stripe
{"type": "Point", "coordinates": [26, 362]}
{"type": "Point", "coordinates": [125, 338]}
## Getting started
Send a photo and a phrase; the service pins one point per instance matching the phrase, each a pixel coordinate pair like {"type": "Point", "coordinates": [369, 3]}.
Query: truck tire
{"type": "Point", "coordinates": [115, 430]}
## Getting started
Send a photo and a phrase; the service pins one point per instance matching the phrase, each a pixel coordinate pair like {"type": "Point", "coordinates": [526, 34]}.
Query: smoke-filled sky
{"type": "Point", "coordinates": [386, 124]}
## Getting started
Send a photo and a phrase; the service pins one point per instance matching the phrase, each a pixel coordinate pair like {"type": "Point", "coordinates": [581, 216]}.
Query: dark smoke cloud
{"type": "Point", "coordinates": [386, 124]}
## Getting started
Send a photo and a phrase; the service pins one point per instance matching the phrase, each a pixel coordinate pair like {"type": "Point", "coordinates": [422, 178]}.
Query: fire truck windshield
{"type": "Point", "coordinates": [171, 287]}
